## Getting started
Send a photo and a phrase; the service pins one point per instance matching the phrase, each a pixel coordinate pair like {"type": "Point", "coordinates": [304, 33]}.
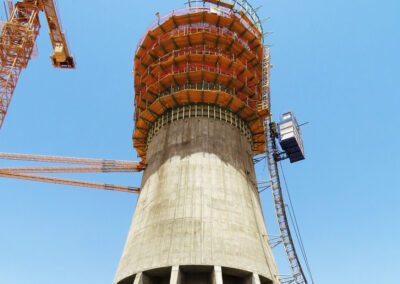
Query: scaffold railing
{"type": "Point", "coordinates": [196, 9]}
{"type": "Point", "coordinates": [194, 67]}
{"type": "Point", "coordinates": [241, 7]}
{"type": "Point", "coordinates": [205, 50]}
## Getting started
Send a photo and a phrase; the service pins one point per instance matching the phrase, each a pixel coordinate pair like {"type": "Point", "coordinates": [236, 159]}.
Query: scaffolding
{"type": "Point", "coordinates": [204, 54]}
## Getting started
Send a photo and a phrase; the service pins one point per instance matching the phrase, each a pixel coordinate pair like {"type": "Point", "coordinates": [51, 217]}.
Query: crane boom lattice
{"type": "Point", "coordinates": [17, 41]}
{"type": "Point", "coordinates": [88, 166]}
{"type": "Point", "coordinates": [71, 182]}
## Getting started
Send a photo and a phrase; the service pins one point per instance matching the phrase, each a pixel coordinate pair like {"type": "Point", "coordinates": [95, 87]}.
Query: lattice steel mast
{"type": "Point", "coordinates": [17, 41]}
{"type": "Point", "coordinates": [298, 275]}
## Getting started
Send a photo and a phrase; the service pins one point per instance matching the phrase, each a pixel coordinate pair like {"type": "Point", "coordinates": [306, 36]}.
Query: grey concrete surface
{"type": "Point", "coordinates": [199, 203]}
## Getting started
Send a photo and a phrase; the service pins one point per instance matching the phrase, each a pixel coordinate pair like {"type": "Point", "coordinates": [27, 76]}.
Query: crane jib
{"type": "Point", "coordinates": [18, 40]}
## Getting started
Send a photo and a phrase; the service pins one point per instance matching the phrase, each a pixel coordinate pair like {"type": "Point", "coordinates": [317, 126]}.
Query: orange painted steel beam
{"type": "Point", "coordinates": [105, 169]}
{"type": "Point", "coordinates": [92, 166]}
{"type": "Point", "coordinates": [71, 182]}
{"type": "Point", "coordinates": [61, 57]}
{"type": "Point", "coordinates": [70, 160]}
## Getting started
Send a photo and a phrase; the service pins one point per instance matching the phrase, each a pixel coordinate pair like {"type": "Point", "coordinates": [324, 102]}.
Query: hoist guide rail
{"type": "Point", "coordinates": [280, 209]}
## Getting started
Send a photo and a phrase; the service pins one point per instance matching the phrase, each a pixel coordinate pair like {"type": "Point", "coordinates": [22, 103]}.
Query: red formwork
{"type": "Point", "coordinates": [199, 56]}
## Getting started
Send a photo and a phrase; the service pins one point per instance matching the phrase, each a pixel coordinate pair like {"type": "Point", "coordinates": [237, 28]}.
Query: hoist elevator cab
{"type": "Point", "coordinates": [290, 137]}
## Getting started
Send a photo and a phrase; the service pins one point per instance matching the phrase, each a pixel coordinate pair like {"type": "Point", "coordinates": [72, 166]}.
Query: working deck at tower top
{"type": "Point", "coordinates": [205, 54]}
{"type": "Point", "coordinates": [201, 96]}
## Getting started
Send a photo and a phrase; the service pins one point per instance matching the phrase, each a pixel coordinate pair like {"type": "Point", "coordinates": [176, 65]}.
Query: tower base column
{"type": "Point", "coordinates": [175, 275]}
{"type": "Point", "coordinates": [217, 275]}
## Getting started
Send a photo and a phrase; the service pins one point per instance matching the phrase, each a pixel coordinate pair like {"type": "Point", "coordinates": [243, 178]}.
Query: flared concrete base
{"type": "Point", "coordinates": [195, 275]}
{"type": "Point", "coordinates": [198, 210]}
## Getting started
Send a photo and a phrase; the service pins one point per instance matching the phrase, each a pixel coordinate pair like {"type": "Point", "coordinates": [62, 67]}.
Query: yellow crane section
{"type": "Point", "coordinates": [17, 41]}
{"type": "Point", "coordinates": [61, 57]}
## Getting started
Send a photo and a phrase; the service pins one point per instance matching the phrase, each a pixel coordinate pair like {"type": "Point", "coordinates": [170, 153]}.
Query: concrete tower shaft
{"type": "Point", "coordinates": [199, 210]}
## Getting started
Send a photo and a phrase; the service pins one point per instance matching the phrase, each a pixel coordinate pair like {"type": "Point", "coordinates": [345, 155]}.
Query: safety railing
{"type": "Point", "coordinates": [205, 50]}
{"type": "Point", "coordinates": [151, 77]}
{"type": "Point", "coordinates": [203, 86]}
{"type": "Point", "coordinates": [235, 6]}
{"type": "Point", "coordinates": [188, 30]}
{"type": "Point", "coordinates": [190, 10]}
{"type": "Point", "coordinates": [187, 68]}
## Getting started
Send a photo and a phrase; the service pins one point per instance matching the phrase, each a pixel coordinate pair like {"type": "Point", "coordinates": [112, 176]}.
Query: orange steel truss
{"type": "Point", "coordinates": [17, 41]}
{"type": "Point", "coordinates": [61, 57]}
{"type": "Point", "coordinates": [207, 55]}
{"type": "Point", "coordinates": [71, 182]}
{"type": "Point", "coordinates": [89, 166]}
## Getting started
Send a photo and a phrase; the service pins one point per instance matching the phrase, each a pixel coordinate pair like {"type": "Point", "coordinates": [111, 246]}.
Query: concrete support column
{"type": "Point", "coordinates": [216, 277]}
{"type": "Point", "coordinates": [255, 279]}
{"type": "Point", "coordinates": [141, 279]}
{"type": "Point", "coordinates": [175, 275]}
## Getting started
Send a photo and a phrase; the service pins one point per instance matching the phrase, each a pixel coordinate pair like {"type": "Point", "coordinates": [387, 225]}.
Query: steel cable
{"type": "Point", "coordinates": [296, 226]}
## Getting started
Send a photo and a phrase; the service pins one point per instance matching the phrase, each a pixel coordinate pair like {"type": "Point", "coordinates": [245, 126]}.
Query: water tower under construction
{"type": "Point", "coordinates": [202, 120]}
{"type": "Point", "coordinates": [201, 100]}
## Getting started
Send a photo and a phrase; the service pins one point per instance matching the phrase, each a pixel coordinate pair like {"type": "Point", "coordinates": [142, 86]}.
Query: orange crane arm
{"type": "Point", "coordinates": [71, 182]}
{"type": "Point", "coordinates": [69, 160]}
{"type": "Point", "coordinates": [69, 169]}
{"type": "Point", "coordinates": [17, 41]}
{"type": "Point", "coordinates": [91, 166]}
{"type": "Point", "coordinates": [61, 57]}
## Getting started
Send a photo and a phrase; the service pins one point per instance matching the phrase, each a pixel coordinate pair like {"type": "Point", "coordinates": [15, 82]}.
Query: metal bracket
{"type": "Point", "coordinates": [275, 240]}
{"type": "Point", "coordinates": [259, 159]}
{"type": "Point", "coordinates": [287, 279]}
{"type": "Point", "coordinates": [280, 156]}
{"type": "Point", "coordinates": [263, 185]}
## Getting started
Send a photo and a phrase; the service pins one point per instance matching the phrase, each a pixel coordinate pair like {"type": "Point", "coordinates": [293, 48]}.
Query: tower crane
{"type": "Point", "coordinates": [17, 42]}
{"type": "Point", "coordinates": [85, 166]}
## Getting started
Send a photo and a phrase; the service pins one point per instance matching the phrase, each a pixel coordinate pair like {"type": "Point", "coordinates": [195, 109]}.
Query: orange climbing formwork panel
{"type": "Point", "coordinates": [200, 57]}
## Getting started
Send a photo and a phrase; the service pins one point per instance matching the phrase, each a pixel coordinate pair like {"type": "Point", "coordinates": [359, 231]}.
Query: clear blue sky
{"type": "Point", "coordinates": [335, 64]}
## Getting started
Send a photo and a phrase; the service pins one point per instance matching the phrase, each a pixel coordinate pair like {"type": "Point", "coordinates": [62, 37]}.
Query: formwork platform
{"type": "Point", "coordinates": [205, 56]}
